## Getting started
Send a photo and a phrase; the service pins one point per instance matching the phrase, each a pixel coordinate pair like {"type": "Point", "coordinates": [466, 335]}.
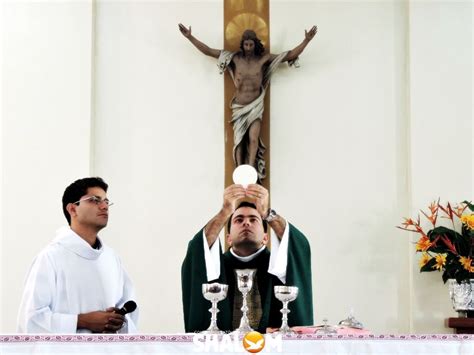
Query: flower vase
{"type": "Point", "coordinates": [462, 297]}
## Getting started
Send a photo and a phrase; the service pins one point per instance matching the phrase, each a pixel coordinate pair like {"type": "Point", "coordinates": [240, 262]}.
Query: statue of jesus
{"type": "Point", "coordinates": [250, 68]}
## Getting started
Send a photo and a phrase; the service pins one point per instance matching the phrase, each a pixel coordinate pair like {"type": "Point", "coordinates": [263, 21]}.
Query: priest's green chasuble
{"type": "Point", "coordinates": [298, 273]}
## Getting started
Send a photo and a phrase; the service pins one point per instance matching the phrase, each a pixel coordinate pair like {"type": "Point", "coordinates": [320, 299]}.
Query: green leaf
{"type": "Point", "coordinates": [429, 266]}
{"type": "Point", "coordinates": [462, 275]}
{"type": "Point", "coordinates": [461, 243]}
{"type": "Point", "coordinates": [470, 205]}
{"type": "Point", "coordinates": [440, 231]}
{"type": "Point", "coordinates": [450, 273]}
{"type": "Point", "coordinates": [446, 277]}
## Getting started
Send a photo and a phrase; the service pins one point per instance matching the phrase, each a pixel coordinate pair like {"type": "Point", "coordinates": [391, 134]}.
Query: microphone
{"type": "Point", "coordinates": [128, 307]}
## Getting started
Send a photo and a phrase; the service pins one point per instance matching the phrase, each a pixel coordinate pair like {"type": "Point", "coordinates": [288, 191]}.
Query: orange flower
{"type": "Point", "coordinates": [425, 258]}
{"type": "Point", "coordinates": [408, 222]}
{"type": "Point", "coordinates": [423, 244]}
{"type": "Point", "coordinates": [434, 207]}
{"type": "Point", "coordinates": [468, 221]}
{"type": "Point", "coordinates": [440, 261]}
{"type": "Point", "coordinates": [434, 212]}
{"type": "Point", "coordinates": [447, 210]}
{"type": "Point", "coordinates": [441, 241]}
{"type": "Point", "coordinates": [466, 263]}
{"type": "Point", "coordinates": [459, 209]}
{"type": "Point", "coordinates": [413, 226]}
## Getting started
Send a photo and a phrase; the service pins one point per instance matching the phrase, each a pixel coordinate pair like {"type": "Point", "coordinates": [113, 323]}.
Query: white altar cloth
{"type": "Point", "coordinates": [436, 344]}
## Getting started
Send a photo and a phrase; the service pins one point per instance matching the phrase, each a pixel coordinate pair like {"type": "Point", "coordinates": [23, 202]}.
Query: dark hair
{"type": "Point", "coordinates": [246, 204]}
{"type": "Point", "coordinates": [249, 34]}
{"type": "Point", "coordinates": [77, 189]}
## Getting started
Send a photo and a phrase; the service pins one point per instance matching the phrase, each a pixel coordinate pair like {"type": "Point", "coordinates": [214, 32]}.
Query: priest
{"type": "Point", "coordinates": [247, 214]}
{"type": "Point", "coordinates": [77, 283]}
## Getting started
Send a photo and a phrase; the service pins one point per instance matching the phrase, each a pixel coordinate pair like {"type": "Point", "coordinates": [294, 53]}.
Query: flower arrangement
{"type": "Point", "coordinates": [446, 249]}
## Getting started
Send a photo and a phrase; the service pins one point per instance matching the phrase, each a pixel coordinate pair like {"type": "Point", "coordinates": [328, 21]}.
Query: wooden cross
{"type": "Point", "coordinates": [240, 15]}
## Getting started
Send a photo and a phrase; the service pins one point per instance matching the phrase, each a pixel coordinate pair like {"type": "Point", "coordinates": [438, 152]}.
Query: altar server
{"type": "Point", "coordinates": [77, 283]}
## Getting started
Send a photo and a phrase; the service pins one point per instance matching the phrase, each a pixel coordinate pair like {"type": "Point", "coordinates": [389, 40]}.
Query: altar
{"type": "Point", "coordinates": [433, 344]}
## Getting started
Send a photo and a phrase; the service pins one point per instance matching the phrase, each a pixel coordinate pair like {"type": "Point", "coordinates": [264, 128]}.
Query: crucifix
{"type": "Point", "coordinates": [250, 65]}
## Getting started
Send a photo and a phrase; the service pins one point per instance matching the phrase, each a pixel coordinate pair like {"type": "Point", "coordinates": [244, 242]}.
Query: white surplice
{"type": "Point", "coordinates": [69, 278]}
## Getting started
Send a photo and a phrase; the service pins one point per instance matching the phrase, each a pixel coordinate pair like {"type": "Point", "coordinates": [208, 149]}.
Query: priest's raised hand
{"type": "Point", "coordinates": [247, 213]}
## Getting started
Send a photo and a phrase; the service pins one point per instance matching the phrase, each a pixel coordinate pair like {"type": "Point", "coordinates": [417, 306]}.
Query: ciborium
{"type": "Point", "coordinates": [285, 294]}
{"type": "Point", "coordinates": [215, 293]}
{"type": "Point", "coordinates": [244, 284]}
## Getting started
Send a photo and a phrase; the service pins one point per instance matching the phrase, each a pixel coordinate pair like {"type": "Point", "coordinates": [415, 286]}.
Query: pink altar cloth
{"type": "Point", "coordinates": [341, 330]}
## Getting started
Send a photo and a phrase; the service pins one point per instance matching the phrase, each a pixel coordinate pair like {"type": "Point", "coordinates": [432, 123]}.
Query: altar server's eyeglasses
{"type": "Point", "coordinates": [95, 200]}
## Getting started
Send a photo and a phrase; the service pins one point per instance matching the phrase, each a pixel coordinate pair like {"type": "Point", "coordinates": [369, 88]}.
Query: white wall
{"type": "Point", "coordinates": [46, 125]}
{"type": "Point", "coordinates": [342, 134]}
{"type": "Point", "coordinates": [352, 125]}
{"type": "Point", "coordinates": [441, 136]}
{"type": "Point", "coordinates": [1, 161]}
{"type": "Point", "coordinates": [159, 108]}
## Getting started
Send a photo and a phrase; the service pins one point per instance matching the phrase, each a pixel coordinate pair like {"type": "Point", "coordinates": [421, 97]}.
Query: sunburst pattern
{"type": "Point", "coordinates": [242, 22]}
{"type": "Point", "coordinates": [250, 5]}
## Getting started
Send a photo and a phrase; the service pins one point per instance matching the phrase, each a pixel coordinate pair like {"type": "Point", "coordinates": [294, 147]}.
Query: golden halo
{"type": "Point", "coordinates": [242, 22]}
